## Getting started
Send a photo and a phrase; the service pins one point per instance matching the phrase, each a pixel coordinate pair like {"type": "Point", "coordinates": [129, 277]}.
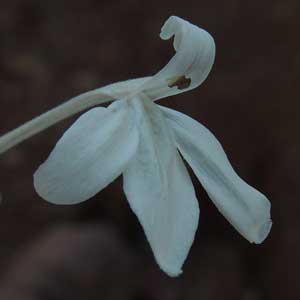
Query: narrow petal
{"type": "Point", "coordinates": [189, 67]}
{"type": "Point", "coordinates": [160, 192]}
{"type": "Point", "coordinates": [243, 206]}
{"type": "Point", "coordinates": [90, 155]}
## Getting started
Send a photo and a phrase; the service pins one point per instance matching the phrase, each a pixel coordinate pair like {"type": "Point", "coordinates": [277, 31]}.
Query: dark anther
{"type": "Point", "coordinates": [181, 82]}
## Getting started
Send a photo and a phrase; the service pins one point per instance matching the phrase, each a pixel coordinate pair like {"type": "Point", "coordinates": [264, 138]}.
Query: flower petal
{"type": "Point", "coordinates": [243, 206]}
{"type": "Point", "coordinates": [189, 67]}
{"type": "Point", "coordinates": [160, 192]}
{"type": "Point", "coordinates": [90, 155]}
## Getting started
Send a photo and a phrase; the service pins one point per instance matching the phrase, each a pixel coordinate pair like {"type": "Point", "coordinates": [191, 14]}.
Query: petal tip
{"type": "Point", "coordinates": [39, 187]}
{"type": "Point", "coordinates": [262, 231]}
{"type": "Point", "coordinates": [174, 274]}
{"type": "Point", "coordinates": [170, 270]}
{"type": "Point", "coordinates": [42, 188]}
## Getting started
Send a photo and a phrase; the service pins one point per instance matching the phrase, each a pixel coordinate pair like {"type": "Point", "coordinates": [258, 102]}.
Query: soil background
{"type": "Point", "coordinates": [53, 50]}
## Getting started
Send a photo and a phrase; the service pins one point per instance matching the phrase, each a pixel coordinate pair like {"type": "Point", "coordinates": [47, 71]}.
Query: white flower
{"type": "Point", "coordinates": [140, 139]}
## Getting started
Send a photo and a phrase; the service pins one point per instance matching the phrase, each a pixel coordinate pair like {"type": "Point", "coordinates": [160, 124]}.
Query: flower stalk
{"type": "Point", "coordinates": [51, 117]}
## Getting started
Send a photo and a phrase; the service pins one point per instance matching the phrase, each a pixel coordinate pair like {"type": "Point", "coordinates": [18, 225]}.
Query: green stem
{"type": "Point", "coordinates": [51, 117]}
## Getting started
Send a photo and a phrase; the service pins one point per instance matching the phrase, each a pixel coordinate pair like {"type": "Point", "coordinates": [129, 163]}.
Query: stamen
{"type": "Point", "coordinates": [181, 82]}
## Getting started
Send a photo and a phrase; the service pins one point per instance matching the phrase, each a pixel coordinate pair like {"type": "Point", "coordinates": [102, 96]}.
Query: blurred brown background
{"type": "Point", "coordinates": [52, 50]}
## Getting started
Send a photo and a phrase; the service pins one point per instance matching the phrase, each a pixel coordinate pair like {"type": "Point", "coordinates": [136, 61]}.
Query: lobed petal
{"type": "Point", "coordinates": [244, 207]}
{"type": "Point", "coordinates": [91, 154]}
{"type": "Point", "coordinates": [160, 192]}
